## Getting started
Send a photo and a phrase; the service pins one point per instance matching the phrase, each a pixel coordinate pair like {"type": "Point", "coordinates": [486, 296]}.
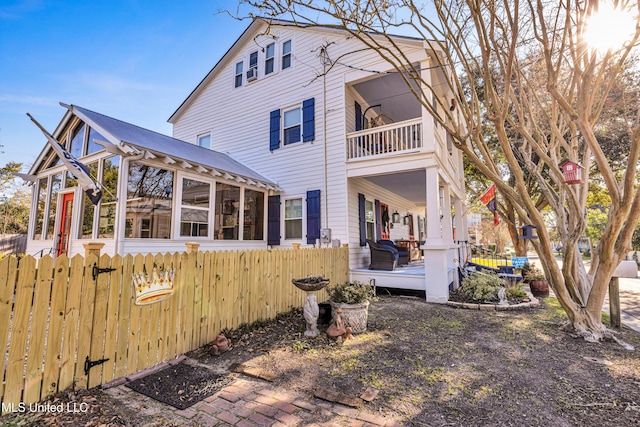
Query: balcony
{"type": "Point", "coordinates": [396, 138]}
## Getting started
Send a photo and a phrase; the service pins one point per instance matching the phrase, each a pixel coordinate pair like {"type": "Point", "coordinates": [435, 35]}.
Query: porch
{"type": "Point", "coordinates": [405, 277]}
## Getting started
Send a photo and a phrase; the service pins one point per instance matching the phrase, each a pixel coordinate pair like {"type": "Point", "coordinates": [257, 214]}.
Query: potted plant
{"type": "Point", "coordinates": [537, 281]}
{"type": "Point", "coordinates": [353, 298]}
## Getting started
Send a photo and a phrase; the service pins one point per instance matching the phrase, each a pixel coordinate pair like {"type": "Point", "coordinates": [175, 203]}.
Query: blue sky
{"type": "Point", "coordinates": [132, 60]}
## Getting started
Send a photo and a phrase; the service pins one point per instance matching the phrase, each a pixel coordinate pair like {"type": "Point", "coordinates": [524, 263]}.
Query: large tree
{"type": "Point", "coordinates": [538, 122]}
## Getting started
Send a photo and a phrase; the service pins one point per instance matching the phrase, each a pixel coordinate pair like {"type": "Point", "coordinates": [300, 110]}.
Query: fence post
{"type": "Point", "coordinates": [192, 247]}
{"type": "Point", "coordinates": [92, 248]}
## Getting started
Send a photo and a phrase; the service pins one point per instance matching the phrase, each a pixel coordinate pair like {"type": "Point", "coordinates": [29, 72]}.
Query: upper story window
{"type": "Point", "coordinates": [252, 72]}
{"type": "Point", "coordinates": [269, 60]}
{"type": "Point", "coordinates": [204, 141]}
{"type": "Point", "coordinates": [238, 75]}
{"type": "Point", "coordinates": [292, 125]}
{"type": "Point", "coordinates": [286, 54]}
{"type": "Point", "coordinates": [253, 59]}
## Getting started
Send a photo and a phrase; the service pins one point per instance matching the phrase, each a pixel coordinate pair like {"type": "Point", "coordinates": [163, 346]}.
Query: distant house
{"type": "Point", "coordinates": [267, 151]}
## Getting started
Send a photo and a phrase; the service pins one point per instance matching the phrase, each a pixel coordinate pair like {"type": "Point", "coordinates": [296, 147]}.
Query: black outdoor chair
{"type": "Point", "coordinates": [403, 253]}
{"type": "Point", "coordinates": [382, 257]}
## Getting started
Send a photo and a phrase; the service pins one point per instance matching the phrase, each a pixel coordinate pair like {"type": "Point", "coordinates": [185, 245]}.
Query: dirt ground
{"type": "Point", "coordinates": [435, 366]}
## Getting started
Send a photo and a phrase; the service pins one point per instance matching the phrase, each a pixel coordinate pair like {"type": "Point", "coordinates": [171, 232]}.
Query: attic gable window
{"type": "Point", "coordinates": [238, 77]}
{"type": "Point", "coordinates": [204, 140]}
{"type": "Point", "coordinates": [269, 60]}
{"type": "Point", "coordinates": [77, 141]}
{"type": "Point", "coordinates": [252, 72]}
{"type": "Point", "coordinates": [253, 59]}
{"type": "Point", "coordinates": [286, 54]}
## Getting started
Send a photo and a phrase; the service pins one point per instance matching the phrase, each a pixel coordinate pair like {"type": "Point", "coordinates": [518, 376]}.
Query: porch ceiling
{"type": "Point", "coordinates": [393, 95]}
{"type": "Point", "coordinates": [411, 185]}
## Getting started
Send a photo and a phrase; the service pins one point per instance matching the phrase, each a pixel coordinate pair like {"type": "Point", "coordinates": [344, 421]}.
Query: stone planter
{"type": "Point", "coordinates": [539, 288]}
{"type": "Point", "coordinates": [353, 315]}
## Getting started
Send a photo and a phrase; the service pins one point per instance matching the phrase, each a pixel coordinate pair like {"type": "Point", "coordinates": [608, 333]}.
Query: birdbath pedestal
{"type": "Point", "coordinates": [311, 310]}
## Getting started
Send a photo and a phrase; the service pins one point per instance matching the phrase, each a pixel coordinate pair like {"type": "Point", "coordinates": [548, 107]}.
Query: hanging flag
{"type": "Point", "coordinates": [79, 170]}
{"type": "Point", "coordinates": [489, 200]}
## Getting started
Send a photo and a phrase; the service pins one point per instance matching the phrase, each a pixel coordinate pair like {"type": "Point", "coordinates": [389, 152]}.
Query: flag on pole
{"type": "Point", "coordinates": [489, 200]}
{"type": "Point", "coordinates": [79, 170]}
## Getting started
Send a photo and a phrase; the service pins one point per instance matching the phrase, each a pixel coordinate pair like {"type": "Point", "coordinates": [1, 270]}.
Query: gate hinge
{"type": "Point", "coordinates": [97, 270]}
{"type": "Point", "coordinates": [88, 364]}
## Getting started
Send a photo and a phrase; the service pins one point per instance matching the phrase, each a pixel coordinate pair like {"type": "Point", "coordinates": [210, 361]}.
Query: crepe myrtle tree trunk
{"type": "Point", "coordinates": [523, 67]}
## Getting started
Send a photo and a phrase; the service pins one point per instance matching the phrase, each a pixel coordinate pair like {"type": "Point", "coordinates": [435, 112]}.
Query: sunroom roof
{"type": "Point", "coordinates": [132, 139]}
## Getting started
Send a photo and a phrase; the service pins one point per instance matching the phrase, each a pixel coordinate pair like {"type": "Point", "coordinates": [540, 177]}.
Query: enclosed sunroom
{"type": "Point", "coordinates": [158, 192]}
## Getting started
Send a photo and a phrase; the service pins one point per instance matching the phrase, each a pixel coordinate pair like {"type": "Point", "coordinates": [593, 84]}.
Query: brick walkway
{"type": "Point", "coordinates": [248, 402]}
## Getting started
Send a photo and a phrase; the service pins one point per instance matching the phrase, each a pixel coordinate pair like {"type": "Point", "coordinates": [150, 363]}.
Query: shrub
{"type": "Point", "coordinates": [482, 286]}
{"type": "Point", "coordinates": [351, 292]}
{"type": "Point", "coordinates": [516, 291]}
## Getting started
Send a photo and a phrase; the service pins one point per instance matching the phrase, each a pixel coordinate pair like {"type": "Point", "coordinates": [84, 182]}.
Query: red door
{"type": "Point", "coordinates": [65, 224]}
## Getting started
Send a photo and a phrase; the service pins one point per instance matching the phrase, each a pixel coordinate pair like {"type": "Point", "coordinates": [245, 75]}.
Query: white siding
{"type": "Point", "coordinates": [239, 122]}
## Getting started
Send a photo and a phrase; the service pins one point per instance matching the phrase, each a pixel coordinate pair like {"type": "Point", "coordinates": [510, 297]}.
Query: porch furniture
{"type": "Point", "coordinates": [413, 248]}
{"type": "Point", "coordinates": [382, 257]}
{"type": "Point", "coordinates": [403, 252]}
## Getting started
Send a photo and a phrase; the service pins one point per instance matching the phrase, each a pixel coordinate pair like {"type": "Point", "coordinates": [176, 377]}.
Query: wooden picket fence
{"type": "Point", "coordinates": [53, 314]}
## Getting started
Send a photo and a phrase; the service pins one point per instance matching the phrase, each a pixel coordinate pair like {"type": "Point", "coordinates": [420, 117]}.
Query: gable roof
{"type": "Point", "coordinates": [126, 138]}
{"type": "Point", "coordinates": [247, 35]}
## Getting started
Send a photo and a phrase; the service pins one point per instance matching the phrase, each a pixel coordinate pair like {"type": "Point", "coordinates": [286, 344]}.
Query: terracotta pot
{"type": "Point", "coordinates": [353, 315]}
{"type": "Point", "coordinates": [539, 288]}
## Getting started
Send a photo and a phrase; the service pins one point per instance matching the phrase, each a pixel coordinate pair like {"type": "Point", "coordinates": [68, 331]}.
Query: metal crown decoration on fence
{"type": "Point", "coordinates": [155, 287]}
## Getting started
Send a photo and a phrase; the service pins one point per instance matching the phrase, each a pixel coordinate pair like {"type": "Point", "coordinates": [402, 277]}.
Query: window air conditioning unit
{"type": "Point", "coordinates": [252, 74]}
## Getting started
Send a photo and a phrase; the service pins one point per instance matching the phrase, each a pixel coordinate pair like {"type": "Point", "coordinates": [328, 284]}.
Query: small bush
{"type": "Point", "coordinates": [516, 292]}
{"type": "Point", "coordinates": [482, 286]}
{"type": "Point", "coordinates": [351, 292]}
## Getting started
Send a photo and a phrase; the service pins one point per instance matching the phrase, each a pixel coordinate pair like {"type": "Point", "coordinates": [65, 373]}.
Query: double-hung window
{"type": "Point", "coordinates": [238, 76]}
{"type": "Point", "coordinates": [253, 60]}
{"type": "Point", "coordinates": [370, 218]}
{"type": "Point", "coordinates": [292, 125]}
{"type": "Point", "coordinates": [269, 60]}
{"type": "Point", "coordinates": [293, 219]}
{"type": "Point", "coordinates": [286, 54]}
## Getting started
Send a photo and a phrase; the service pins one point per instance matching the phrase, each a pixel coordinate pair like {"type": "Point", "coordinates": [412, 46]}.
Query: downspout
{"type": "Point", "coordinates": [324, 135]}
{"type": "Point", "coordinates": [122, 202]}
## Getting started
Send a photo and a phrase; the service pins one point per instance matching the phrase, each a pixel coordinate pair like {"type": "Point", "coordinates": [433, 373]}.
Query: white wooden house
{"type": "Point", "coordinates": [270, 150]}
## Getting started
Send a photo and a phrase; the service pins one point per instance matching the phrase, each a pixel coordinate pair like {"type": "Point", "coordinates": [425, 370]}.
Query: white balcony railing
{"type": "Point", "coordinates": [395, 138]}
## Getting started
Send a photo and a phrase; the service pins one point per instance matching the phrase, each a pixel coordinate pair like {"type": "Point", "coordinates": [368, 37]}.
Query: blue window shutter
{"type": "Point", "coordinates": [274, 130]}
{"type": "Point", "coordinates": [308, 120]}
{"type": "Point", "coordinates": [273, 220]}
{"type": "Point", "coordinates": [358, 117]}
{"type": "Point", "coordinates": [313, 216]}
{"type": "Point", "coordinates": [362, 220]}
{"type": "Point", "coordinates": [378, 220]}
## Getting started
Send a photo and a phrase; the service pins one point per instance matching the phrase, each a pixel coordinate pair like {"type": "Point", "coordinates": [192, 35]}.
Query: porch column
{"type": "Point", "coordinates": [447, 224]}
{"type": "Point", "coordinates": [462, 228]}
{"type": "Point", "coordinates": [428, 128]}
{"type": "Point", "coordinates": [433, 205]}
{"type": "Point", "coordinates": [435, 249]}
